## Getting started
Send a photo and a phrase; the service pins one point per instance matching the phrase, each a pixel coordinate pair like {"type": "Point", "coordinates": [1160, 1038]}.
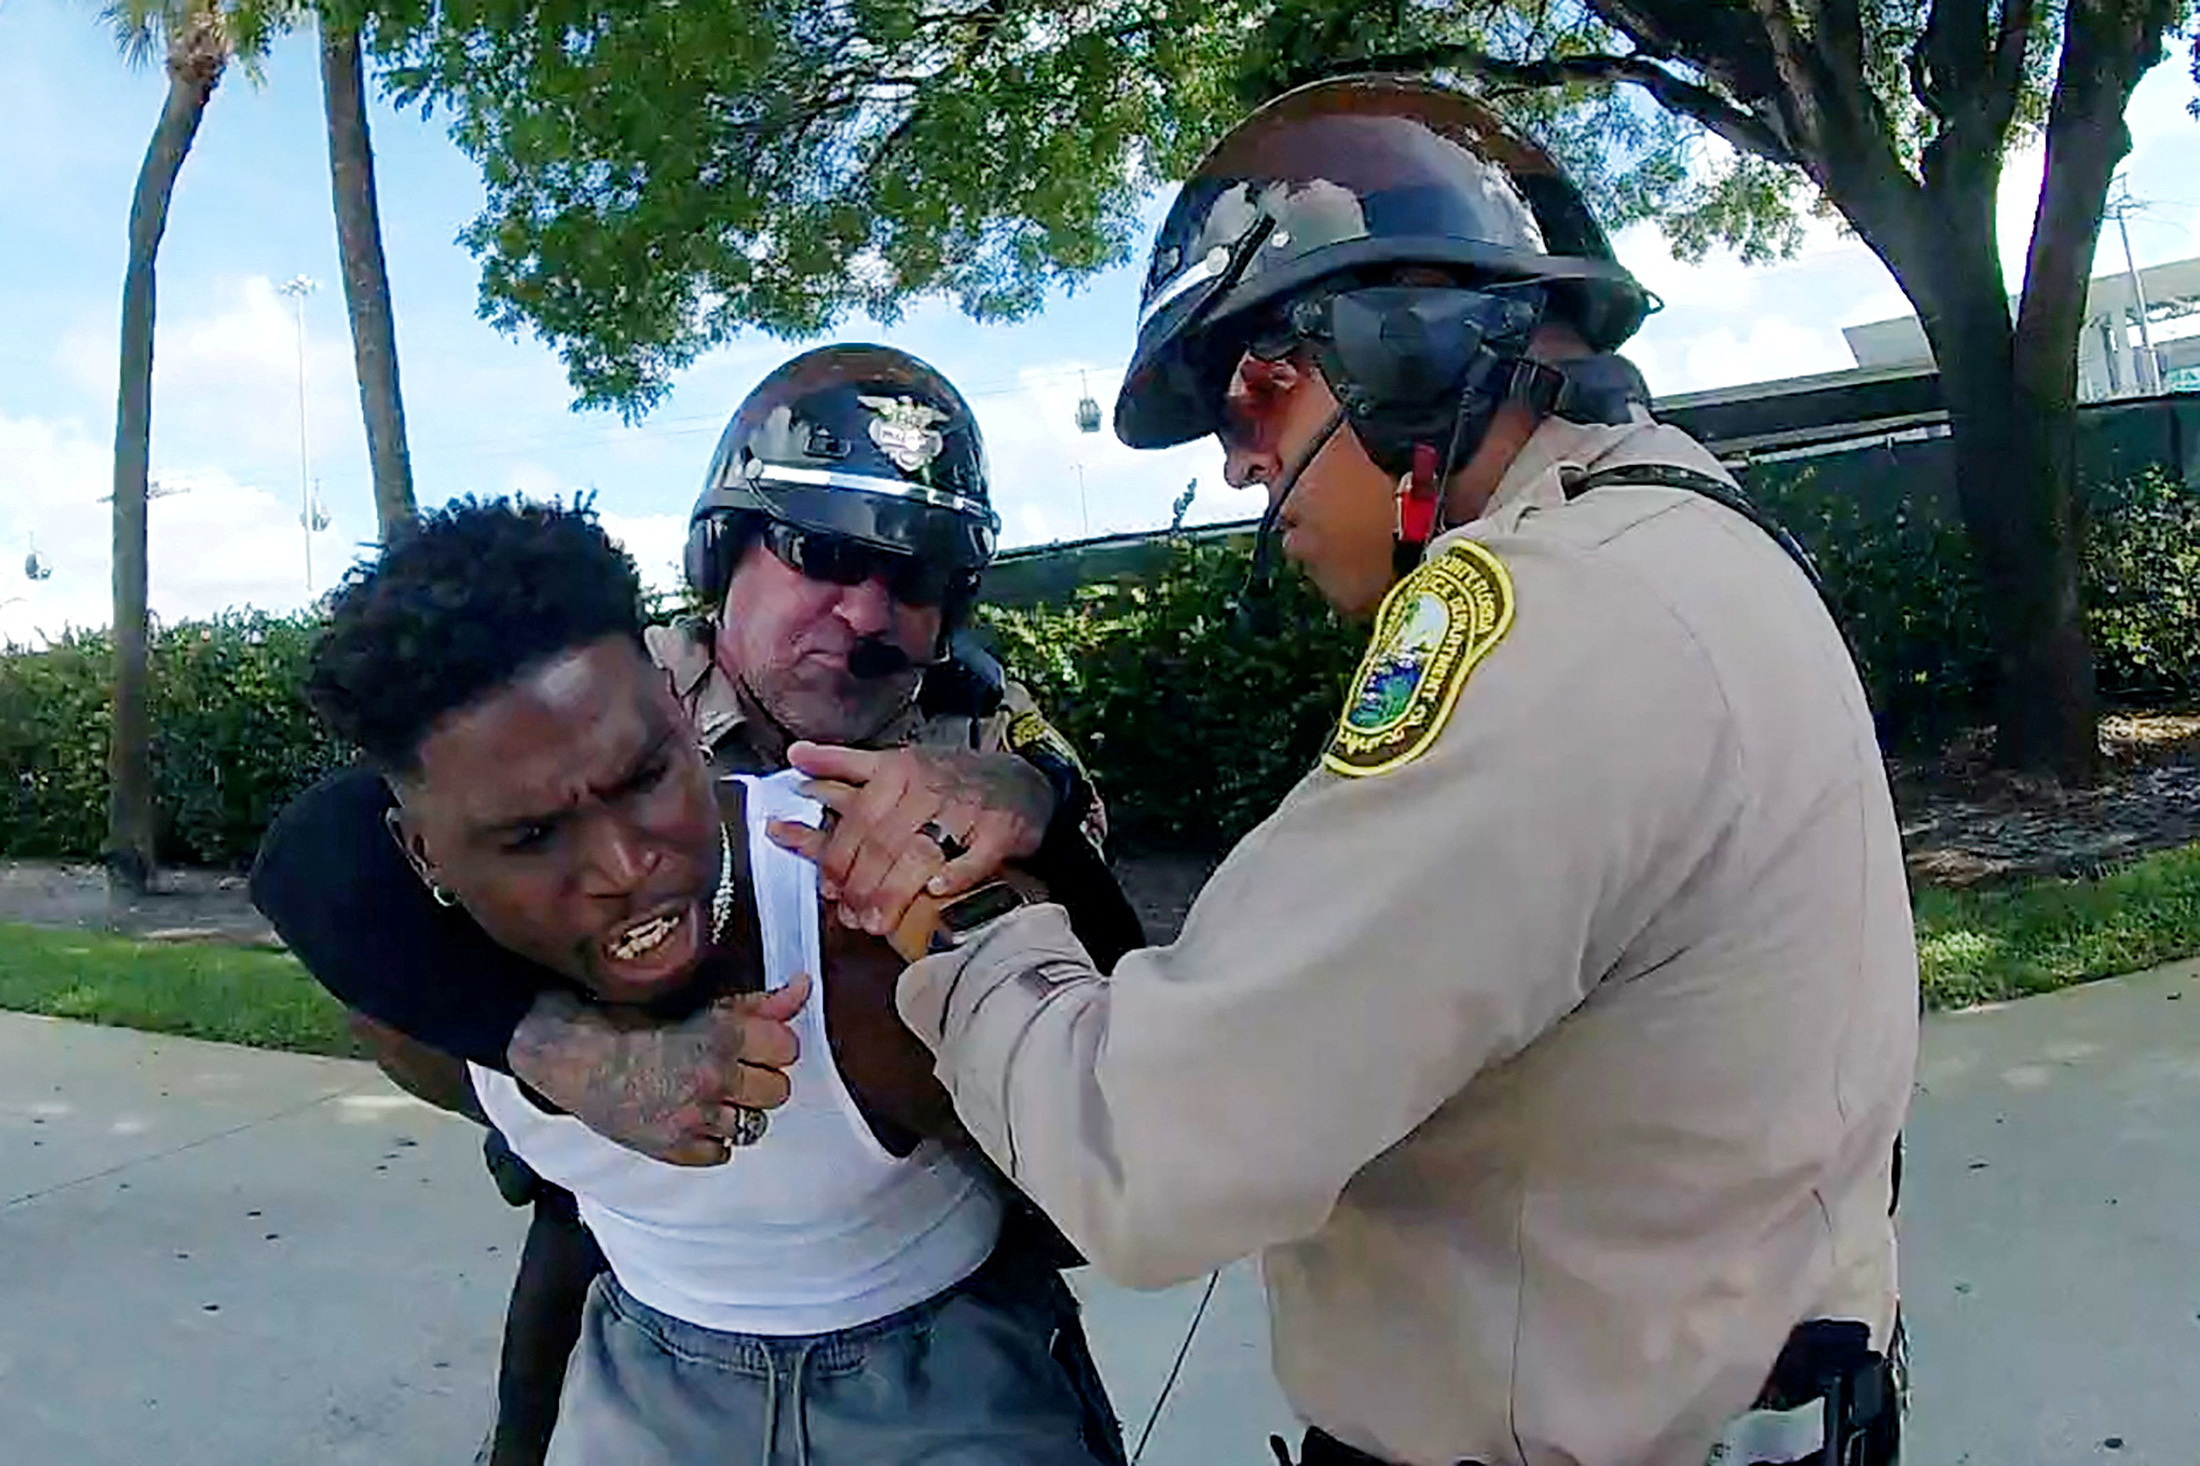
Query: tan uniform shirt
{"type": "Point", "coordinates": [1554, 1072]}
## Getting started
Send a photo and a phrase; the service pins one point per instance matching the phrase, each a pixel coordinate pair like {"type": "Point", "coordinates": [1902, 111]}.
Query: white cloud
{"type": "Point", "coordinates": [1052, 481]}
{"type": "Point", "coordinates": [214, 543]}
{"type": "Point", "coordinates": [226, 429]}
{"type": "Point", "coordinates": [226, 378]}
{"type": "Point", "coordinates": [656, 541]}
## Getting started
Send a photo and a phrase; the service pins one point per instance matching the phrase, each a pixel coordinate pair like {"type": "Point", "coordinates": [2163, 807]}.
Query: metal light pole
{"type": "Point", "coordinates": [298, 288]}
{"type": "Point", "coordinates": [2150, 368]}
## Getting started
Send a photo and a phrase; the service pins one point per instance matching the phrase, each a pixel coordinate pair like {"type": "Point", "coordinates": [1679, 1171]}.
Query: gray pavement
{"type": "Point", "coordinates": [2051, 1229]}
{"type": "Point", "coordinates": [213, 1256]}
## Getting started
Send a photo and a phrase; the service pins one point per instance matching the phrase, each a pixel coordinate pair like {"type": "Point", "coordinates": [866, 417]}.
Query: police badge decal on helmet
{"type": "Point", "coordinates": [857, 444]}
{"type": "Point", "coordinates": [907, 431]}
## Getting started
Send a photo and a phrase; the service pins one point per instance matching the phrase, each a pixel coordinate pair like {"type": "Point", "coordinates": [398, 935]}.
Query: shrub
{"type": "Point", "coordinates": [1195, 730]}
{"type": "Point", "coordinates": [2142, 588]}
{"type": "Point", "coordinates": [1904, 587]}
{"type": "Point", "coordinates": [232, 738]}
{"type": "Point", "coordinates": [1194, 727]}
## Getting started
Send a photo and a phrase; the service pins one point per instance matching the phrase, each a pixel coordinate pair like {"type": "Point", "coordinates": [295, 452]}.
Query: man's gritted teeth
{"type": "Point", "coordinates": [653, 952]}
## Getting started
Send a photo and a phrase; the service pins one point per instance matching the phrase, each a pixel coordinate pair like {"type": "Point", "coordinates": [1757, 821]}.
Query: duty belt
{"type": "Point", "coordinates": [1831, 1401]}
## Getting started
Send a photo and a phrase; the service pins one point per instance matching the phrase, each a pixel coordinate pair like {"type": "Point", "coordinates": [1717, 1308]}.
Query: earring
{"type": "Point", "coordinates": [443, 896]}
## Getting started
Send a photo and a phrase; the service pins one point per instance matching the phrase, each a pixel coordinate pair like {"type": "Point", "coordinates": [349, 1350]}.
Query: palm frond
{"type": "Point", "coordinates": [139, 29]}
{"type": "Point", "coordinates": [144, 30]}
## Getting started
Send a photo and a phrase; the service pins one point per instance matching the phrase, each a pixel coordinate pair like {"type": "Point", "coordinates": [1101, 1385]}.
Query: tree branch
{"type": "Point", "coordinates": [2012, 45]}
{"type": "Point", "coordinates": [1919, 72]}
{"type": "Point", "coordinates": [1840, 129]}
{"type": "Point", "coordinates": [1949, 64]}
{"type": "Point", "coordinates": [1838, 26]}
{"type": "Point", "coordinates": [1838, 133]}
{"type": "Point", "coordinates": [987, 23]}
{"type": "Point", "coordinates": [1723, 42]}
{"type": "Point", "coordinates": [1997, 96]}
{"type": "Point", "coordinates": [1672, 91]}
{"type": "Point", "coordinates": [1707, 35]}
{"type": "Point", "coordinates": [1801, 98]}
{"type": "Point", "coordinates": [2106, 49]}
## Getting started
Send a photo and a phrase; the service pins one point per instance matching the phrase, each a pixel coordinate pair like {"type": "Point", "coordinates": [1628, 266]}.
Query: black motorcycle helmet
{"type": "Point", "coordinates": [1344, 182]}
{"type": "Point", "coordinates": [863, 442]}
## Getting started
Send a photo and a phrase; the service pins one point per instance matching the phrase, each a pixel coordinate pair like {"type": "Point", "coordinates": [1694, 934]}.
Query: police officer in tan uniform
{"type": "Point", "coordinates": [1549, 1045]}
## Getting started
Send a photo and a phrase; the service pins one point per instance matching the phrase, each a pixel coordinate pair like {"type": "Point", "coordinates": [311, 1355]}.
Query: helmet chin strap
{"type": "Point", "coordinates": [1256, 609]}
{"type": "Point", "coordinates": [1591, 391]}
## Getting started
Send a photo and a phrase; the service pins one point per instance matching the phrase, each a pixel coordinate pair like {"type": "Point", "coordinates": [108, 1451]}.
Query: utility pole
{"type": "Point", "coordinates": [2149, 373]}
{"type": "Point", "coordinates": [298, 288]}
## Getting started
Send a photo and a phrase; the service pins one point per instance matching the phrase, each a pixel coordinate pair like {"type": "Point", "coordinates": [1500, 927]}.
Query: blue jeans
{"type": "Point", "coordinates": [992, 1372]}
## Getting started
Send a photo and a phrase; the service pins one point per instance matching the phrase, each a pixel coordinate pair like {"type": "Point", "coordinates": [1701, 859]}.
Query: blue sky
{"type": "Point", "coordinates": [490, 413]}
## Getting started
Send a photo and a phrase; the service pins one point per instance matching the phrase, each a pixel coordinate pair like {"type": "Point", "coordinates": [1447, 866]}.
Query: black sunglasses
{"type": "Point", "coordinates": [838, 560]}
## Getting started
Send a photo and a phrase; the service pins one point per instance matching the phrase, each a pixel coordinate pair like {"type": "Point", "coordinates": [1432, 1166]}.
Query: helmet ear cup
{"type": "Point", "coordinates": [1414, 364]}
{"type": "Point", "coordinates": [714, 543]}
{"type": "Point", "coordinates": [1605, 312]}
{"type": "Point", "coordinates": [701, 561]}
{"type": "Point", "coordinates": [956, 605]}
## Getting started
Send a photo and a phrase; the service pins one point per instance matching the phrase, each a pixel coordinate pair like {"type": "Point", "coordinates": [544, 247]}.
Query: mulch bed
{"type": "Point", "coordinates": [1966, 823]}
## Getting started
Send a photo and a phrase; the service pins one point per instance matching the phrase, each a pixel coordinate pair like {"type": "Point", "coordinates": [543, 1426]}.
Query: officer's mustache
{"type": "Point", "coordinates": [875, 658]}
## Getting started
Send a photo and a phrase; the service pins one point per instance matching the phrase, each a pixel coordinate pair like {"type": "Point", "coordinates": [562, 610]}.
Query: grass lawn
{"type": "Point", "coordinates": [202, 990]}
{"type": "Point", "coordinates": [1974, 947]}
{"type": "Point", "coordinates": [1984, 946]}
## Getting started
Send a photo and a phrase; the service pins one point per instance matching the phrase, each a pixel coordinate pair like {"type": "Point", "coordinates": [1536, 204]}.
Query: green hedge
{"type": "Point", "coordinates": [1904, 585]}
{"type": "Point", "coordinates": [1196, 731]}
{"type": "Point", "coordinates": [232, 740]}
{"type": "Point", "coordinates": [1193, 727]}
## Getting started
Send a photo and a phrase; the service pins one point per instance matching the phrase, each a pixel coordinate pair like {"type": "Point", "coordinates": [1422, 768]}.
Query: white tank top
{"type": "Point", "coordinates": [814, 1229]}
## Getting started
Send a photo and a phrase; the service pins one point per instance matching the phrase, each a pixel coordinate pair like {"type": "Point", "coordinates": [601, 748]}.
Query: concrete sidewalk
{"type": "Point", "coordinates": [213, 1256]}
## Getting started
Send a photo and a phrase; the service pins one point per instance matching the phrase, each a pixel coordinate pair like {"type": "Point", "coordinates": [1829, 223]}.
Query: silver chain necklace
{"type": "Point", "coordinates": [749, 1124]}
{"type": "Point", "coordinates": [721, 900]}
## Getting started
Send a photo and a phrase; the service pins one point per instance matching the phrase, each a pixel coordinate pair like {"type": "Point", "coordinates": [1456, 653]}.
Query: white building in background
{"type": "Point", "coordinates": [2111, 353]}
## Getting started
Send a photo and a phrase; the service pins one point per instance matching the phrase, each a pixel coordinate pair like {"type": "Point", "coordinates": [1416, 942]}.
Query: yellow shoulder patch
{"type": "Point", "coordinates": [1435, 625]}
{"type": "Point", "coordinates": [1028, 731]}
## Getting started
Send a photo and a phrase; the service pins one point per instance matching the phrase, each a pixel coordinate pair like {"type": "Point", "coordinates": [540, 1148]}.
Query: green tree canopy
{"type": "Point", "coordinates": [663, 175]}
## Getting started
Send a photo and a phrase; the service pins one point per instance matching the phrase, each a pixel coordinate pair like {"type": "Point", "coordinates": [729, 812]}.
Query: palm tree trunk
{"type": "Point", "coordinates": [194, 69]}
{"type": "Point", "coordinates": [366, 274]}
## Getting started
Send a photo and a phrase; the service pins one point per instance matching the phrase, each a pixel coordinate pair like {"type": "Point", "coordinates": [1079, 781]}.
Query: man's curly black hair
{"type": "Point", "coordinates": [459, 605]}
